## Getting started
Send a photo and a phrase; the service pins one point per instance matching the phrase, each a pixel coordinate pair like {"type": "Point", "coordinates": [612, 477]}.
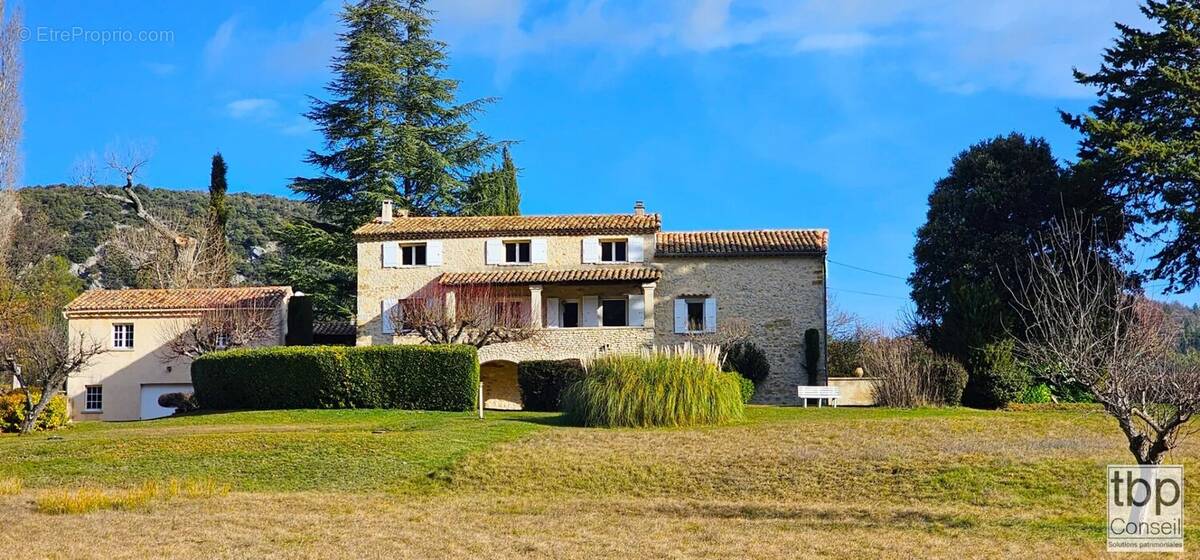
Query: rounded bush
{"type": "Point", "coordinates": [181, 402]}
{"type": "Point", "coordinates": [543, 381]}
{"type": "Point", "coordinates": [996, 378]}
{"type": "Point", "coordinates": [748, 359]}
{"type": "Point", "coordinates": [13, 411]}
{"type": "Point", "coordinates": [654, 390]}
{"type": "Point", "coordinates": [1036, 394]}
{"type": "Point", "coordinates": [951, 378]}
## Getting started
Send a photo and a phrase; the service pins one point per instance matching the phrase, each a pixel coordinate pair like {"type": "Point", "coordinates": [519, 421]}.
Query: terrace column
{"type": "Point", "coordinates": [451, 303]}
{"type": "Point", "coordinates": [648, 301]}
{"type": "Point", "coordinates": [535, 306]}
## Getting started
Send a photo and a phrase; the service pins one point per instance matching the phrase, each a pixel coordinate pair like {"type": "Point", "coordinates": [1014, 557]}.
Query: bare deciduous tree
{"type": "Point", "coordinates": [41, 359]}
{"type": "Point", "coordinates": [168, 255]}
{"type": "Point", "coordinates": [227, 327]}
{"type": "Point", "coordinates": [11, 118]}
{"type": "Point", "coordinates": [474, 315]}
{"type": "Point", "coordinates": [1086, 326]}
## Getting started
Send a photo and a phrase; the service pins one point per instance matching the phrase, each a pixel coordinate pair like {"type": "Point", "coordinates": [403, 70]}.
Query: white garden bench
{"type": "Point", "coordinates": [819, 392]}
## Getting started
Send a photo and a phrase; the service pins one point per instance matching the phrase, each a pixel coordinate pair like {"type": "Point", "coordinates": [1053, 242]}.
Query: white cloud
{"type": "Point", "coordinates": [252, 108]}
{"type": "Point", "coordinates": [219, 44]}
{"type": "Point", "coordinates": [834, 41]}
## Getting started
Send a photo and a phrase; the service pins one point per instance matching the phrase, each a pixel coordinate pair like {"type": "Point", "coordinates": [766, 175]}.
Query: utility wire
{"type": "Point", "coordinates": [868, 293]}
{"type": "Point", "coordinates": [867, 270]}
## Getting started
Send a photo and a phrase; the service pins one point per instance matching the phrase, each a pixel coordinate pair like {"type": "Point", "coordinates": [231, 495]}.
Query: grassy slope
{"type": "Point", "coordinates": [880, 483]}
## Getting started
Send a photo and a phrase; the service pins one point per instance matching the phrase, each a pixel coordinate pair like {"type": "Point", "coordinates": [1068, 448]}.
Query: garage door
{"type": "Point", "coordinates": [150, 394]}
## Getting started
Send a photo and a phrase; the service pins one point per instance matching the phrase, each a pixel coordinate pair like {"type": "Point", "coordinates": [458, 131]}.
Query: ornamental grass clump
{"type": "Point", "coordinates": [657, 388]}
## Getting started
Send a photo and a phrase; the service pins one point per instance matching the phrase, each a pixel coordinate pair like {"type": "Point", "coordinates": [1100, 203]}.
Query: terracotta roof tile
{"type": "Point", "coordinates": [742, 243]}
{"type": "Point", "coordinates": [482, 226]}
{"type": "Point", "coordinates": [625, 274]}
{"type": "Point", "coordinates": [177, 300]}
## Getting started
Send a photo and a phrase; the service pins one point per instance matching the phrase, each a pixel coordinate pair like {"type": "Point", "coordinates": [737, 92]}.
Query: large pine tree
{"type": "Point", "coordinates": [1142, 137]}
{"type": "Point", "coordinates": [494, 192]}
{"type": "Point", "coordinates": [393, 131]}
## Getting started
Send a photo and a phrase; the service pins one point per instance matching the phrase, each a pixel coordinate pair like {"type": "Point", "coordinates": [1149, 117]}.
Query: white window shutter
{"type": "Point", "coordinates": [591, 308]}
{"type": "Point", "coordinates": [636, 249]}
{"type": "Point", "coordinates": [538, 252]}
{"type": "Point", "coordinates": [387, 307]}
{"type": "Point", "coordinates": [591, 250]}
{"type": "Point", "coordinates": [710, 314]}
{"type": "Point", "coordinates": [637, 310]}
{"type": "Point", "coordinates": [391, 254]}
{"type": "Point", "coordinates": [495, 251]}
{"type": "Point", "coordinates": [553, 317]}
{"type": "Point", "coordinates": [433, 253]}
{"type": "Point", "coordinates": [680, 316]}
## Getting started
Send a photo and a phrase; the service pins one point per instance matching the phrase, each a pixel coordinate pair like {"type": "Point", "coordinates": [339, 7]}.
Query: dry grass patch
{"type": "Point", "coordinates": [84, 500]}
{"type": "Point", "coordinates": [10, 486]}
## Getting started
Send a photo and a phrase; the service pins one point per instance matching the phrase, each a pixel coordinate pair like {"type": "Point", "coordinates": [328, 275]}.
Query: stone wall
{"type": "Point", "coordinates": [560, 344]}
{"type": "Point", "coordinates": [775, 298]}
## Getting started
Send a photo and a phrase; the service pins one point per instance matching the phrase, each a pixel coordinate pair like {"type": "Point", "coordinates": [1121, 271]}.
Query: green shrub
{"type": "Point", "coordinates": [996, 377]}
{"type": "Point", "coordinates": [438, 377]}
{"type": "Point", "coordinates": [747, 388]}
{"type": "Point", "coordinates": [659, 389]}
{"type": "Point", "coordinates": [951, 379]}
{"type": "Point", "coordinates": [1035, 394]}
{"type": "Point", "coordinates": [181, 402]}
{"type": "Point", "coordinates": [748, 359]}
{"type": "Point", "coordinates": [13, 411]}
{"type": "Point", "coordinates": [812, 355]}
{"type": "Point", "coordinates": [543, 381]}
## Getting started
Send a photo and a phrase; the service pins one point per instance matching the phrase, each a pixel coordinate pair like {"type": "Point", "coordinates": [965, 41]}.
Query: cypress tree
{"type": "Point", "coordinates": [217, 244]}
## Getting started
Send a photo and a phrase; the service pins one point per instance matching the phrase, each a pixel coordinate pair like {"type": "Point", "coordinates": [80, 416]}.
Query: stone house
{"type": "Point", "coordinates": [600, 283]}
{"type": "Point", "coordinates": [134, 329]}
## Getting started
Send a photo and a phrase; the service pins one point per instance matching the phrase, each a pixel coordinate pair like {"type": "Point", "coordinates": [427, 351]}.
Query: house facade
{"type": "Point", "coordinates": [599, 283]}
{"type": "Point", "coordinates": [134, 328]}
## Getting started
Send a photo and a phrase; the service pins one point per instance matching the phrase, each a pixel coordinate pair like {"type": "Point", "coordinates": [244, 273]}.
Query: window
{"type": "Point", "coordinates": [122, 336]}
{"type": "Point", "coordinates": [413, 255]}
{"type": "Point", "coordinates": [570, 314]}
{"type": "Point", "coordinates": [516, 252]}
{"type": "Point", "coordinates": [222, 339]}
{"type": "Point", "coordinates": [614, 250]}
{"type": "Point", "coordinates": [613, 311]}
{"type": "Point", "coordinates": [93, 398]}
{"type": "Point", "coordinates": [695, 315]}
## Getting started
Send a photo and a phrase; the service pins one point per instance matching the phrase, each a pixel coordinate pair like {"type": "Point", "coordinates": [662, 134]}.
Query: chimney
{"type": "Point", "coordinates": [403, 212]}
{"type": "Point", "coordinates": [386, 215]}
{"type": "Point", "coordinates": [639, 209]}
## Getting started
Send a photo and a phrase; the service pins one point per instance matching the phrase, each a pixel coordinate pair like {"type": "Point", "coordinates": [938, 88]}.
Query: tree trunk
{"type": "Point", "coordinates": [31, 417]}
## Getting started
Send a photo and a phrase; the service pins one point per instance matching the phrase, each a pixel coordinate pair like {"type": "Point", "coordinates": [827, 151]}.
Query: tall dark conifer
{"type": "Point", "coordinates": [217, 242]}
{"type": "Point", "coordinates": [393, 131]}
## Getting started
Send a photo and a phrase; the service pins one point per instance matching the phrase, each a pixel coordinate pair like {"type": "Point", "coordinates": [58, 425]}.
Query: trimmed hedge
{"type": "Point", "coordinates": [543, 382]}
{"type": "Point", "coordinates": [439, 377]}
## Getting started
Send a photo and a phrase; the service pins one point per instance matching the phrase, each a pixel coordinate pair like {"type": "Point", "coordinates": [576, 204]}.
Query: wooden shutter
{"type": "Point", "coordinates": [538, 252]}
{"type": "Point", "coordinates": [433, 253]}
{"type": "Point", "coordinates": [710, 314]}
{"type": "Point", "coordinates": [637, 310]}
{"type": "Point", "coordinates": [387, 307]}
{"type": "Point", "coordinates": [591, 250]}
{"type": "Point", "coordinates": [636, 249]}
{"type": "Point", "coordinates": [495, 251]}
{"type": "Point", "coordinates": [681, 316]}
{"type": "Point", "coordinates": [591, 308]}
{"type": "Point", "coordinates": [553, 317]}
{"type": "Point", "coordinates": [391, 254]}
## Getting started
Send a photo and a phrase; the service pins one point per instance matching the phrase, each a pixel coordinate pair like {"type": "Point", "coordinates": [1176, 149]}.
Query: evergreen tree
{"type": "Point", "coordinates": [1142, 137]}
{"type": "Point", "coordinates": [494, 192]}
{"type": "Point", "coordinates": [393, 131]}
{"type": "Point", "coordinates": [983, 219]}
{"type": "Point", "coordinates": [217, 244]}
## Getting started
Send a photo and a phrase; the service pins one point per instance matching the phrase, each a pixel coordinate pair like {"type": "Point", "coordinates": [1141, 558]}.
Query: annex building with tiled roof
{"type": "Point", "coordinates": [595, 283]}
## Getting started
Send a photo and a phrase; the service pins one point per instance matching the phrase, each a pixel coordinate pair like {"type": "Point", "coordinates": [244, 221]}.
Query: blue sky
{"type": "Point", "coordinates": [720, 115]}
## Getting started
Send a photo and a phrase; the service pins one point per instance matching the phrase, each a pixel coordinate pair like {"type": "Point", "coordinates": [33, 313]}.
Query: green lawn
{"type": "Point", "coordinates": [832, 482]}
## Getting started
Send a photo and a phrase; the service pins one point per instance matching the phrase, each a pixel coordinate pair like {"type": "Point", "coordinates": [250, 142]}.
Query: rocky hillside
{"type": "Point", "coordinates": [68, 221]}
